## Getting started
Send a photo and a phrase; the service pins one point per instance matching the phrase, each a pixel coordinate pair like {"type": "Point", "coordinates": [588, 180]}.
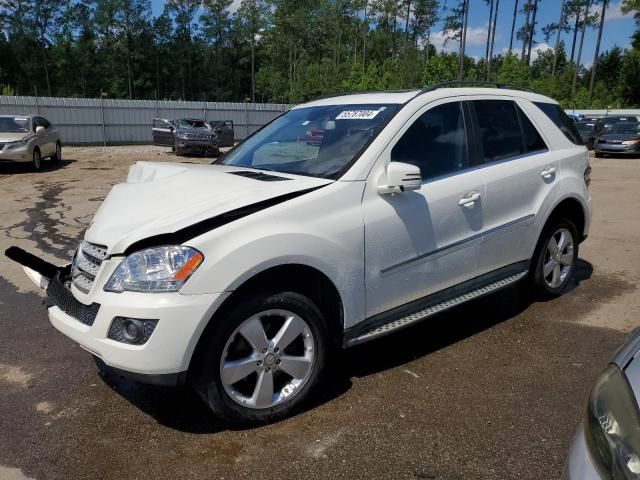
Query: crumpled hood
{"type": "Point", "coordinates": [12, 137]}
{"type": "Point", "coordinates": [160, 198]}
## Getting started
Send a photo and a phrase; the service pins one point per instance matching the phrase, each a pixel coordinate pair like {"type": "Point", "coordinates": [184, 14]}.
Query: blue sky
{"type": "Point", "coordinates": [617, 30]}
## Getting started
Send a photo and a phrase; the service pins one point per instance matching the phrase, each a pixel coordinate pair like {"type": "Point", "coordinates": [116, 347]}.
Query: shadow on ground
{"type": "Point", "coordinates": [182, 409]}
{"type": "Point", "coordinates": [12, 168]}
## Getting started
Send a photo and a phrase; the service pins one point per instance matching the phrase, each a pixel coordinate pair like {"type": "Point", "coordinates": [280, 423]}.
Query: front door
{"type": "Point", "coordinates": [420, 242]}
{"type": "Point", "coordinates": [163, 132]}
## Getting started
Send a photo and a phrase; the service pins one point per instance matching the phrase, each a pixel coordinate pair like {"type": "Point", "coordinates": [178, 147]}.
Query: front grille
{"type": "Point", "coordinates": [61, 297]}
{"type": "Point", "coordinates": [86, 264]}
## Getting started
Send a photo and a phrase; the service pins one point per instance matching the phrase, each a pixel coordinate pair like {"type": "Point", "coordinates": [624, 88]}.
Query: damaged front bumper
{"type": "Point", "coordinates": [163, 359]}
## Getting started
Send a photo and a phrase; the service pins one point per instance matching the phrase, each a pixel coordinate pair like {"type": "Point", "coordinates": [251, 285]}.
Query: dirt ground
{"type": "Point", "coordinates": [494, 389]}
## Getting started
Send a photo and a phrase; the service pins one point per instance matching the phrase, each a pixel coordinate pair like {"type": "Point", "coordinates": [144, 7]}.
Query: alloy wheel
{"type": "Point", "coordinates": [268, 359]}
{"type": "Point", "coordinates": [558, 259]}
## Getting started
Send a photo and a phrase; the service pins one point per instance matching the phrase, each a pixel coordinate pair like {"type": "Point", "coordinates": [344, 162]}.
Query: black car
{"type": "Point", "coordinates": [619, 139]}
{"type": "Point", "coordinates": [605, 123]}
{"type": "Point", "coordinates": [588, 132]}
{"type": "Point", "coordinates": [193, 135]}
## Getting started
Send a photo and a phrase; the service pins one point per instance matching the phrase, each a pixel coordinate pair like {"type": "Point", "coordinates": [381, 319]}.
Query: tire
{"type": "Point", "coordinates": [240, 396]}
{"type": "Point", "coordinates": [179, 152]}
{"type": "Point", "coordinates": [598, 155]}
{"type": "Point", "coordinates": [550, 275]}
{"type": "Point", "coordinates": [36, 161]}
{"type": "Point", "coordinates": [57, 157]}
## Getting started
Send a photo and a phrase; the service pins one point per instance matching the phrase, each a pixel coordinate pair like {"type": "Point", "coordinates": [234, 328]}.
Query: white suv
{"type": "Point", "coordinates": [342, 220]}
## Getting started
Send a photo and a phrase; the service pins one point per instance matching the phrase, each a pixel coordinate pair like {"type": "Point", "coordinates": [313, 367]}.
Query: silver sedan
{"type": "Point", "coordinates": [607, 444]}
{"type": "Point", "coordinates": [29, 138]}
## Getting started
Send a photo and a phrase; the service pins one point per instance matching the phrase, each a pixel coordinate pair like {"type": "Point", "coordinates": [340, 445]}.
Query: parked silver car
{"type": "Point", "coordinates": [28, 138]}
{"type": "Point", "coordinates": [607, 444]}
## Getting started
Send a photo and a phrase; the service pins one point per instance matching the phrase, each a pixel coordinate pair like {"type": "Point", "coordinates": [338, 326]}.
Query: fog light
{"type": "Point", "coordinates": [133, 331]}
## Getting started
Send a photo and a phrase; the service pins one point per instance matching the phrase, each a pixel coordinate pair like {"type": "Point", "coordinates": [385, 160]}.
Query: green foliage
{"type": "Point", "coordinates": [281, 50]}
{"type": "Point", "coordinates": [7, 91]}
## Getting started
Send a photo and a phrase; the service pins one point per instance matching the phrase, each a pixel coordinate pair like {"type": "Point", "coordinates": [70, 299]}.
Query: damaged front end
{"type": "Point", "coordinates": [55, 281]}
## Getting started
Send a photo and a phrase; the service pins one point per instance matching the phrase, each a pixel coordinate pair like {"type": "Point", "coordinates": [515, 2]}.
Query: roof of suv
{"type": "Point", "coordinates": [403, 96]}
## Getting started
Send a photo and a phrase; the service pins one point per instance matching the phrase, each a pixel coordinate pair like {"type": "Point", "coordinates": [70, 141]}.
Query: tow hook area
{"type": "Point", "coordinates": [53, 279]}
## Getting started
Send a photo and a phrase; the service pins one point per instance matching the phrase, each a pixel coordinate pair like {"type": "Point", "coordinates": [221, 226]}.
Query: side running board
{"type": "Point", "coordinates": [395, 324]}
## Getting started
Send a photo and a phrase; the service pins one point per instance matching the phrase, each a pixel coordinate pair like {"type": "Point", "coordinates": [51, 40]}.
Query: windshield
{"type": "Point", "coordinates": [316, 141]}
{"type": "Point", "coordinates": [625, 128]}
{"type": "Point", "coordinates": [184, 123]}
{"type": "Point", "coordinates": [14, 124]}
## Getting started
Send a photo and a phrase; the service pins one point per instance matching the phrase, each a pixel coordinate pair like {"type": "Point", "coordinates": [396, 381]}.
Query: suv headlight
{"type": "Point", "coordinates": [612, 427]}
{"type": "Point", "coordinates": [158, 269]}
{"type": "Point", "coordinates": [182, 136]}
{"type": "Point", "coordinates": [14, 145]}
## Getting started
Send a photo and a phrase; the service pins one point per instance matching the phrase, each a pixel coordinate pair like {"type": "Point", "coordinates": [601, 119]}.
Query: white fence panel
{"type": "Point", "coordinates": [104, 121]}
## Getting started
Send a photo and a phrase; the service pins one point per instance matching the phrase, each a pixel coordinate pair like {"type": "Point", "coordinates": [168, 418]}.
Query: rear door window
{"type": "Point", "coordinates": [532, 140]}
{"type": "Point", "coordinates": [562, 121]}
{"type": "Point", "coordinates": [498, 129]}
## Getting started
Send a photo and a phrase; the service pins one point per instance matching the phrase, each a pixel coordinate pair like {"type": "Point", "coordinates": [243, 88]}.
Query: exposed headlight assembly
{"type": "Point", "coordinates": [612, 427]}
{"type": "Point", "coordinates": [158, 269]}
{"type": "Point", "coordinates": [14, 145]}
{"type": "Point", "coordinates": [182, 136]}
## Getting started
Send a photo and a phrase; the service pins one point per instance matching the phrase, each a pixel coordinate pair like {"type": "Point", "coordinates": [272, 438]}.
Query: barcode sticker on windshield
{"type": "Point", "coordinates": [358, 115]}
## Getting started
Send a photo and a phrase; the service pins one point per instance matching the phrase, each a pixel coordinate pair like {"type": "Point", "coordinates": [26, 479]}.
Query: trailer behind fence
{"type": "Point", "coordinates": [89, 121]}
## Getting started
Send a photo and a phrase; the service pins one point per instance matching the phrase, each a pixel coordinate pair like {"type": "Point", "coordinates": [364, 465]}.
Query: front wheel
{"type": "Point", "coordinates": [555, 258]}
{"type": "Point", "coordinates": [263, 359]}
{"type": "Point", "coordinates": [57, 157]}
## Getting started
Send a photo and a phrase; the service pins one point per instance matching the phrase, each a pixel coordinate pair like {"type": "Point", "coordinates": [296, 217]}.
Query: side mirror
{"type": "Point", "coordinates": [401, 177]}
{"type": "Point", "coordinates": [40, 130]}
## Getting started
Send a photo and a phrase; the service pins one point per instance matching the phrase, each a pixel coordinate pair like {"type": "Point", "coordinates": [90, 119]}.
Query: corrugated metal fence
{"type": "Point", "coordinates": [104, 121]}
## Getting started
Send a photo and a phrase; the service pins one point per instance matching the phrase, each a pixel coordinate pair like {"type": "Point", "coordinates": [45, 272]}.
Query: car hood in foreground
{"type": "Point", "coordinates": [163, 198]}
{"type": "Point", "coordinates": [12, 137]}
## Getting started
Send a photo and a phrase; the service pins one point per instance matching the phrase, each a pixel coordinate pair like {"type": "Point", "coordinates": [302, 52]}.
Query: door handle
{"type": "Point", "coordinates": [469, 200]}
{"type": "Point", "coordinates": [548, 172]}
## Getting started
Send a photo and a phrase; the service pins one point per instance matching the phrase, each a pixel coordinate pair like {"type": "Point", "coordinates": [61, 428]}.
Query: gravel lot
{"type": "Point", "coordinates": [494, 389]}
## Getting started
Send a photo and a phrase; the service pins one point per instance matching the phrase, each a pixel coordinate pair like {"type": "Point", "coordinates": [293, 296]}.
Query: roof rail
{"type": "Point", "coordinates": [460, 83]}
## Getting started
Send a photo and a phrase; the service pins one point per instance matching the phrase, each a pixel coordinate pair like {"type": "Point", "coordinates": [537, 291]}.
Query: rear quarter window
{"type": "Point", "coordinates": [562, 121]}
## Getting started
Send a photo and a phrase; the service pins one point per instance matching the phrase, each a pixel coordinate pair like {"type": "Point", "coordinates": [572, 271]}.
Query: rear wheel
{"type": "Point", "coordinates": [555, 258]}
{"type": "Point", "coordinates": [37, 160]}
{"type": "Point", "coordinates": [264, 358]}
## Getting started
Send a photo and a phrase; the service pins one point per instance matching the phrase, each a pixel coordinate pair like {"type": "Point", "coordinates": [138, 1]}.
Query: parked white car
{"type": "Point", "coordinates": [28, 138]}
{"type": "Point", "coordinates": [241, 276]}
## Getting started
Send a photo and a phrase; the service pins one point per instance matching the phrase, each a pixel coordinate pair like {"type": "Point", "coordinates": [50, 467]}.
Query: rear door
{"type": "Point", "coordinates": [163, 132]}
{"type": "Point", "coordinates": [519, 174]}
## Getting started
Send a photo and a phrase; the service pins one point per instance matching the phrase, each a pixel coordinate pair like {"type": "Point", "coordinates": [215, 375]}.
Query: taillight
{"type": "Point", "coordinates": [587, 176]}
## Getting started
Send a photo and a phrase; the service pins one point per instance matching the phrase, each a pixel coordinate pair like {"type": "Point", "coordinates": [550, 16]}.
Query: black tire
{"type": "Point", "coordinates": [57, 157]}
{"type": "Point", "coordinates": [179, 152]}
{"type": "Point", "coordinates": [598, 155]}
{"type": "Point", "coordinates": [36, 160]}
{"type": "Point", "coordinates": [206, 371]}
{"type": "Point", "coordinates": [541, 285]}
